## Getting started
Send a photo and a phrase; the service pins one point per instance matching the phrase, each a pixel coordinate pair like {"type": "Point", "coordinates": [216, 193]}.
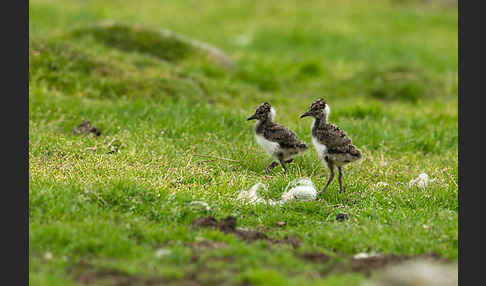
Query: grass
{"type": "Point", "coordinates": [387, 68]}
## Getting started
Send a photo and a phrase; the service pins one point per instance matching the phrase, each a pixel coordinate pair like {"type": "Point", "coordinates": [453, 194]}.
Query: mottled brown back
{"type": "Point", "coordinates": [335, 140]}
{"type": "Point", "coordinates": [282, 135]}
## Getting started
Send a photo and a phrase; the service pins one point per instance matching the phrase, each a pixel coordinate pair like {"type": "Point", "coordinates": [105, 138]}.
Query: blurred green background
{"type": "Point", "coordinates": [169, 82]}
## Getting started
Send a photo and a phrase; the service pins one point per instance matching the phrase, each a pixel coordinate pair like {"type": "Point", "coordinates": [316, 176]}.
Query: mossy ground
{"type": "Point", "coordinates": [387, 68]}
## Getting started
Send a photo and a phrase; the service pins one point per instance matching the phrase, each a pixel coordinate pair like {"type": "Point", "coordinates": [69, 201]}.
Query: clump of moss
{"type": "Point", "coordinates": [64, 67]}
{"type": "Point", "coordinates": [136, 39]}
{"type": "Point", "coordinates": [60, 57]}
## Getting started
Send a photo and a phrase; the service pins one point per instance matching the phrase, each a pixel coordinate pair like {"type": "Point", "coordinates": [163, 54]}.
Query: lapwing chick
{"type": "Point", "coordinates": [333, 146]}
{"type": "Point", "coordinates": [277, 140]}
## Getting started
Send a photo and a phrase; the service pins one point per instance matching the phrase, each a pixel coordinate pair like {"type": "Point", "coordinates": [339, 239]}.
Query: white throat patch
{"type": "Point", "coordinates": [327, 110]}
{"type": "Point", "coordinates": [272, 113]}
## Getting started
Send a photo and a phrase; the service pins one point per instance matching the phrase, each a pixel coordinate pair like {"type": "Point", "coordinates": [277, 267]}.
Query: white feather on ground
{"type": "Point", "coordinates": [162, 252]}
{"type": "Point", "coordinates": [381, 184]}
{"type": "Point", "coordinates": [201, 203]}
{"type": "Point", "coordinates": [251, 196]}
{"type": "Point", "coordinates": [300, 189]}
{"type": "Point", "coordinates": [421, 181]}
{"type": "Point", "coordinates": [364, 255]}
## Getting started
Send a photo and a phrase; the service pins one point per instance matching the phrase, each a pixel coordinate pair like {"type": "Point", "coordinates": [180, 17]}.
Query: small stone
{"type": "Point", "coordinates": [86, 128]}
{"type": "Point", "coordinates": [162, 252]}
{"type": "Point", "coordinates": [363, 255]}
{"type": "Point", "coordinates": [281, 223]}
{"type": "Point", "coordinates": [48, 255]}
{"type": "Point", "coordinates": [341, 217]}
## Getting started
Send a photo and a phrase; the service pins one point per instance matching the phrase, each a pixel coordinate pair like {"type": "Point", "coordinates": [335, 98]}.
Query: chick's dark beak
{"type": "Point", "coordinates": [252, 117]}
{"type": "Point", "coordinates": [305, 114]}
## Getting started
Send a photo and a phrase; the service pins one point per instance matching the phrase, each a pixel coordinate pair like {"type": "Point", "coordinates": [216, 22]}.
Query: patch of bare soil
{"type": "Point", "coordinates": [87, 274]}
{"type": "Point", "coordinates": [368, 264]}
{"type": "Point", "coordinates": [315, 257]}
{"type": "Point", "coordinates": [86, 128]}
{"type": "Point", "coordinates": [365, 264]}
{"type": "Point", "coordinates": [228, 225]}
{"type": "Point", "coordinates": [207, 244]}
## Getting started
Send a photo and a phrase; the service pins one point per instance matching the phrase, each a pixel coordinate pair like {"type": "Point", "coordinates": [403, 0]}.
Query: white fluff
{"type": "Point", "coordinates": [272, 113]}
{"type": "Point", "coordinates": [299, 189]}
{"type": "Point", "coordinates": [251, 196]}
{"type": "Point", "coordinates": [320, 148]}
{"type": "Point", "coordinates": [201, 203]}
{"type": "Point", "coordinates": [421, 181]}
{"type": "Point", "coordinates": [162, 252]}
{"type": "Point", "coordinates": [269, 146]}
{"type": "Point", "coordinates": [381, 184]}
{"type": "Point", "coordinates": [327, 110]}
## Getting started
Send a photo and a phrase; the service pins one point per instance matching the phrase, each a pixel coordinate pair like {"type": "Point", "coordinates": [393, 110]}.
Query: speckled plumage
{"type": "Point", "coordinates": [277, 140]}
{"type": "Point", "coordinates": [332, 144]}
{"type": "Point", "coordinates": [280, 134]}
{"type": "Point", "coordinates": [340, 148]}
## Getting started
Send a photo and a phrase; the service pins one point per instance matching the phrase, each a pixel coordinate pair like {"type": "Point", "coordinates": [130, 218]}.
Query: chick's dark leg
{"type": "Point", "coordinates": [330, 165]}
{"type": "Point", "coordinates": [340, 177]}
{"type": "Point", "coordinates": [289, 160]}
{"type": "Point", "coordinates": [270, 167]}
{"type": "Point", "coordinates": [282, 162]}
